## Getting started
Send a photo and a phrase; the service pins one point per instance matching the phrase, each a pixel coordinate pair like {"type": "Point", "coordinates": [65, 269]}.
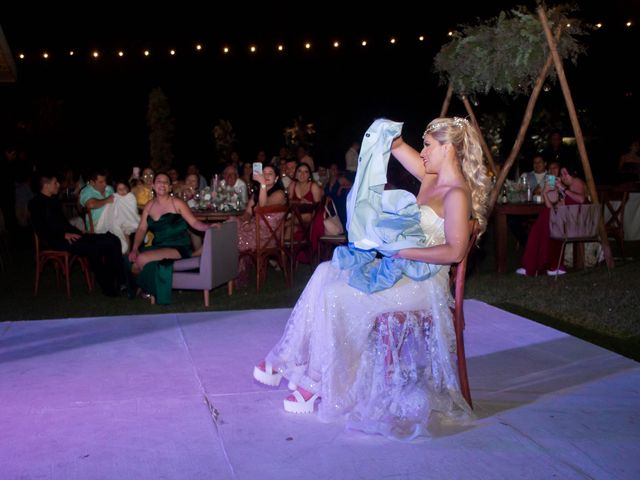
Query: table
{"type": "Point", "coordinates": [500, 213]}
{"type": "Point", "coordinates": [213, 216]}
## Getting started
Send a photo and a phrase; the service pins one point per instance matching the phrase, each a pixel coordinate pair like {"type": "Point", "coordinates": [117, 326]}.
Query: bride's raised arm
{"type": "Point", "coordinates": [408, 157]}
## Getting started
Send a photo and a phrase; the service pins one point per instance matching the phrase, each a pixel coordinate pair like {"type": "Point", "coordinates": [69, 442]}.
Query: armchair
{"type": "Point", "coordinates": [218, 263]}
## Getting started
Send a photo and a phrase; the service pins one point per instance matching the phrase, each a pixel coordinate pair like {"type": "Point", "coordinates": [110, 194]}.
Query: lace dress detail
{"type": "Point", "coordinates": [384, 362]}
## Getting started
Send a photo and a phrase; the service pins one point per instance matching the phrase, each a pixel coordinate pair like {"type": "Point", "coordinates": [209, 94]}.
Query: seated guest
{"type": "Point", "coordinates": [95, 195]}
{"type": "Point", "coordinates": [120, 217]}
{"type": "Point", "coordinates": [519, 224]}
{"type": "Point", "coordinates": [536, 177]}
{"type": "Point", "coordinates": [629, 164]}
{"type": "Point", "coordinates": [232, 189]}
{"type": "Point", "coordinates": [542, 253]}
{"type": "Point", "coordinates": [247, 174]}
{"type": "Point", "coordinates": [302, 155]}
{"type": "Point", "coordinates": [143, 190]}
{"type": "Point", "coordinates": [303, 189]}
{"type": "Point", "coordinates": [194, 170]}
{"type": "Point", "coordinates": [176, 183]}
{"type": "Point", "coordinates": [289, 173]}
{"type": "Point", "coordinates": [337, 188]}
{"type": "Point", "coordinates": [188, 193]}
{"type": "Point", "coordinates": [102, 250]}
{"type": "Point", "coordinates": [269, 192]}
{"type": "Point", "coordinates": [167, 218]}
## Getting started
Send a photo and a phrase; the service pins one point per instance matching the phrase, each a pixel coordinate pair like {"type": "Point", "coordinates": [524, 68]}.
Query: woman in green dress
{"type": "Point", "coordinates": [168, 218]}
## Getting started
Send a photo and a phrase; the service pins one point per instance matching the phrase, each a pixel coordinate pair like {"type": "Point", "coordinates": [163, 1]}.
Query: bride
{"type": "Point", "coordinates": [371, 340]}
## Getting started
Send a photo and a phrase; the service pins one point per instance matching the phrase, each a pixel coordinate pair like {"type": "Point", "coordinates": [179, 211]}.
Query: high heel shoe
{"type": "Point", "coordinates": [267, 376]}
{"type": "Point", "coordinates": [300, 405]}
{"type": "Point", "coordinates": [146, 296]}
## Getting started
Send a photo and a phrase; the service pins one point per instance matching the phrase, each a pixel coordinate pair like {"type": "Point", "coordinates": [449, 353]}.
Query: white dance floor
{"type": "Point", "coordinates": [126, 398]}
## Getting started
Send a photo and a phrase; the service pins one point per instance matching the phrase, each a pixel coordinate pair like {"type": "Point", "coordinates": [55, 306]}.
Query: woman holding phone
{"type": "Point", "coordinates": [268, 191]}
{"type": "Point", "coordinates": [541, 253]}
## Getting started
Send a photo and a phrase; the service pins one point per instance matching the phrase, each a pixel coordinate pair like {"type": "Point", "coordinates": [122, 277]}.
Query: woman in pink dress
{"type": "Point", "coordinates": [269, 192]}
{"type": "Point", "coordinates": [542, 253]}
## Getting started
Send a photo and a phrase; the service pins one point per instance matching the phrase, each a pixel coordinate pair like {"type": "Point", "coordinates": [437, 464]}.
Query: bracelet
{"type": "Point", "coordinates": [263, 186]}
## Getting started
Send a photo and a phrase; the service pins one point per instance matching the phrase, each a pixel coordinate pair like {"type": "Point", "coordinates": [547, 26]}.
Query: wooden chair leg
{"type": "Point", "coordinates": [37, 282]}
{"type": "Point", "coordinates": [67, 275]}
{"type": "Point", "coordinates": [206, 298]}
{"type": "Point", "coordinates": [462, 365]}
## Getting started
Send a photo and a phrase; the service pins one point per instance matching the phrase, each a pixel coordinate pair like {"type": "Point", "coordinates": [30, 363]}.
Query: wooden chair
{"type": "Point", "coordinates": [614, 201]}
{"type": "Point", "coordinates": [456, 282]}
{"type": "Point", "coordinates": [574, 223]}
{"type": "Point", "coordinates": [270, 220]}
{"type": "Point", "coordinates": [62, 261]}
{"type": "Point", "coordinates": [87, 218]}
{"type": "Point", "coordinates": [327, 243]}
{"type": "Point", "coordinates": [299, 231]}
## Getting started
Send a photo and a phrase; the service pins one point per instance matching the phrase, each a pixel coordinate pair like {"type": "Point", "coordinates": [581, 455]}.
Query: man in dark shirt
{"type": "Point", "coordinates": [102, 250]}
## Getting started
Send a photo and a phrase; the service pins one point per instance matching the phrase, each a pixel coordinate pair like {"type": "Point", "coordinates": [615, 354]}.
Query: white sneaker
{"type": "Point", "coordinates": [521, 271]}
{"type": "Point", "coordinates": [555, 273]}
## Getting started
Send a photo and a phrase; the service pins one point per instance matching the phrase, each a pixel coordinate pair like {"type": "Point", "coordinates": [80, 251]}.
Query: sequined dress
{"type": "Point", "coordinates": [384, 362]}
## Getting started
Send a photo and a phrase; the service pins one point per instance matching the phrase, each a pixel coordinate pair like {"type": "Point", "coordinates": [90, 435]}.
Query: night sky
{"type": "Point", "coordinates": [80, 111]}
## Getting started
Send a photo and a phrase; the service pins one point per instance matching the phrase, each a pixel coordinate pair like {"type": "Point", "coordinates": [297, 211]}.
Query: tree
{"type": "Point", "coordinates": [161, 128]}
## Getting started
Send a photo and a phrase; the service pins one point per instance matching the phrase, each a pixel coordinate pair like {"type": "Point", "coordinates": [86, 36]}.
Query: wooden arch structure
{"type": "Point", "coordinates": [553, 57]}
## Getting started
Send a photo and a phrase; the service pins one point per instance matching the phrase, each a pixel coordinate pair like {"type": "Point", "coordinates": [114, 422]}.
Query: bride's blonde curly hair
{"type": "Point", "coordinates": [466, 143]}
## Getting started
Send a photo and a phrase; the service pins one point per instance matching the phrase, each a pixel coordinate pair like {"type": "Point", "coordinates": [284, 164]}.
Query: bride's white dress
{"type": "Point", "coordinates": [385, 361]}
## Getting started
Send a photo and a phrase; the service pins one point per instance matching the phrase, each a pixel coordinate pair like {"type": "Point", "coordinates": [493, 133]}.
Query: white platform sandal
{"type": "Point", "coordinates": [300, 405]}
{"type": "Point", "coordinates": [267, 376]}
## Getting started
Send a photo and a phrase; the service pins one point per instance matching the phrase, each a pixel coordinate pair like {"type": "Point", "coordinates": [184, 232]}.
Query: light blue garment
{"type": "Point", "coordinates": [380, 220]}
{"type": "Point", "coordinates": [87, 193]}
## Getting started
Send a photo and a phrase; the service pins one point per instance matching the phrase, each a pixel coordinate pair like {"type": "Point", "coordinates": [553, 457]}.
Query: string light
{"type": "Point", "coordinates": [253, 48]}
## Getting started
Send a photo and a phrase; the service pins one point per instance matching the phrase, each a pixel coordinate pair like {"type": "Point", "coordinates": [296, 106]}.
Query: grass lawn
{"type": "Point", "coordinates": [590, 304]}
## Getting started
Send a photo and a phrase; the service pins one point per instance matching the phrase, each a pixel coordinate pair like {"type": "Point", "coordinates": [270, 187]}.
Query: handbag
{"type": "Point", "coordinates": [331, 220]}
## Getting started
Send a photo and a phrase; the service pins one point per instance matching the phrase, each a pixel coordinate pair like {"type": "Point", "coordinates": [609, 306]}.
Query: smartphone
{"type": "Point", "coordinates": [257, 168]}
{"type": "Point", "coordinates": [551, 179]}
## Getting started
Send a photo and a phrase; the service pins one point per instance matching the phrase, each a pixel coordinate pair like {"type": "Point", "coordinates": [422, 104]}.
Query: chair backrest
{"type": "Point", "coordinates": [217, 264]}
{"type": "Point", "coordinates": [270, 223]}
{"type": "Point", "coordinates": [87, 217]}
{"type": "Point", "coordinates": [458, 273]}
{"type": "Point", "coordinates": [298, 223]}
{"type": "Point", "coordinates": [620, 198]}
{"type": "Point", "coordinates": [575, 222]}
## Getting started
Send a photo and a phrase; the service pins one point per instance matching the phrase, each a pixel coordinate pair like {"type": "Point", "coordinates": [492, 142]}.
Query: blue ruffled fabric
{"type": "Point", "coordinates": [379, 220]}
